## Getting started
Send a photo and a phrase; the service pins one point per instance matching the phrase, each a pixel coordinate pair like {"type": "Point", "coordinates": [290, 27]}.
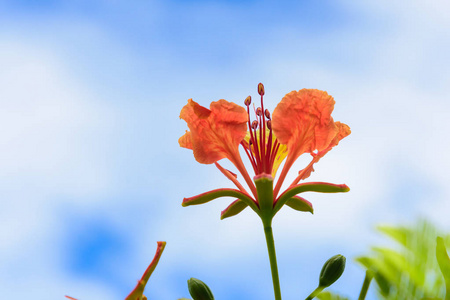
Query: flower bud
{"type": "Point", "coordinates": [199, 290]}
{"type": "Point", "coordinates": [261, 89]}
{"type": "Point", "coordinates": [332, 270]}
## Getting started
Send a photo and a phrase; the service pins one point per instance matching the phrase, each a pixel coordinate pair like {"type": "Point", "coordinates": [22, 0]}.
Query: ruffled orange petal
{"type": "Point", "coordinates": [302, 121]}
{"type": "Point", "coordinates": [185, 140]}
{"type": "Point", "coordinates": [215, 133]}
{"type": "Point", "coordinates": [343, 131]}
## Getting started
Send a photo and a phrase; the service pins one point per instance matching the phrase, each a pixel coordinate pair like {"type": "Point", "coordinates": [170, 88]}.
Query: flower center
{"type": "Point", "coordinates": [260, 148]}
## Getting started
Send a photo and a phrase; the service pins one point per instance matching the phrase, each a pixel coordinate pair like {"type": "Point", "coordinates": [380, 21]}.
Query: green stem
{"type": "Point", "coordinates": [314, 293]}
{"type": "Point", "coordinates": [273, 259]}
{"type": "Point", "coordinates": [365, 286]}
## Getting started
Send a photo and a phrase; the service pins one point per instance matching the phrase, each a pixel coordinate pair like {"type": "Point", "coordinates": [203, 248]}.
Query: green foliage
{"type": "Point", "coordinates": [330, 296]}
{"type": "Point", "coordinates": [410, 269]}
{"type": "Point", "coordinates": [444, 263]}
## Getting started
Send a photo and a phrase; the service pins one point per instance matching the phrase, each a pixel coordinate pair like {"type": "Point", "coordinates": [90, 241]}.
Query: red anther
{"type": "Point", "coordinates": [261, 89]}
{"type": "Point", "coordinates": [248, 100]}
{"type": "Point", "coordinates": [258, 111]}
{"type": "Point", "coordinates": [269, 125]}
{"type": "Point", "coordinates": [255, 124]}
{"type": "Point", "coordinates": [267, 113]}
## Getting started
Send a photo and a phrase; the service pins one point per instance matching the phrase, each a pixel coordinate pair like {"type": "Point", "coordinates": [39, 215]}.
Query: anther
{"type": "Point", "coordinates": [269, 124]}
{"type": "Point", "coordinates": [261, 89]}
{"type": "Point", "coordinates": [248, 100]}
{"type": "Point", "coordinates": [267, 113]}
{"type": "Point", "coordinates": [255, 124]}
{"type": "Point", "coordinates": [258, 111]}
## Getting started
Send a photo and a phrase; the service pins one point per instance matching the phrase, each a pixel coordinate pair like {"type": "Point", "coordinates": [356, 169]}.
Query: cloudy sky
{"type": "Point", "coordinates": [91, 174]}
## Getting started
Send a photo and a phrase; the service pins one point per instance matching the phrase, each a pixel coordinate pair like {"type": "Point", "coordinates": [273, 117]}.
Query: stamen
{"type": "Point", "coordinates": [261, 152]}
{"type": "Point", "coordinates": [248, 101]}
{"type": "Point", "coordinates": [250, 154]}
{"type": "Point", "coordinates": [261, 89]}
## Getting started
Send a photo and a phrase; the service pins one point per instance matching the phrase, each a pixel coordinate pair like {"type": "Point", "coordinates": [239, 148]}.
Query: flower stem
{"type": "Point", "coordinates": [273, 259]}
{"type": "Point", "coordinates": [314, 293]}
{"type": "Point", "coordinates": [365, 285]}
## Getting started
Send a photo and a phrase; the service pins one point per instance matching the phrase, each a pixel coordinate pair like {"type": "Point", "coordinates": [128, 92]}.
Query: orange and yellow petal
{"type": "Point", "coordinates": [302, 121]}
{"type": "Point", "coordinates": [215, 133]}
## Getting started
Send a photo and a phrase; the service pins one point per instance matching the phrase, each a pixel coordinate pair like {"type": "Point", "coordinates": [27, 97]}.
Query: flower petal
{"type": "Point", "coordinates": [214, 133]}
{"type": "Point", "coordinates": [185, 140]}
{"type": "Point", "coordinates": [343, 131]}
{"type": "Point", "coordinates": [302, 121]}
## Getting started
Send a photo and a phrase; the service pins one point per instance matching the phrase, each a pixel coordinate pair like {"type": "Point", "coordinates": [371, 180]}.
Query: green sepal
{"type": "Point", "coordinates": [199, 290]}
{"type": "Point", "coordinates": [320, 187]}
{"type": "Point", "coordinates": [214, 194]}
{"type": "Point", "coordinates": [300, 204]}
{"type": "Point", "coordinates": [444, 263]}
{"type": "Point", "coordinates": [233, 209]}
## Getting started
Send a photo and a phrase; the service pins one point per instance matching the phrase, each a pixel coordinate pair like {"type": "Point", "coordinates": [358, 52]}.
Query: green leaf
{"type": "Point", "coordinates": [408, 270]}
{"type": "Point", "coordinates": [330, 296]}
{"type": "Point", "coordinates": [399, 234]}
{"type": "Point", "coordinates": [444, 263]}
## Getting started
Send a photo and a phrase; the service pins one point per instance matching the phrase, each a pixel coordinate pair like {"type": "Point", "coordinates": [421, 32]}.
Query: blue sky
{"type": "Point", "coordinates": [92, 175]}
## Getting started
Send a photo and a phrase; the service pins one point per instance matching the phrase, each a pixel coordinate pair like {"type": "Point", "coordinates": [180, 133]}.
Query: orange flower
{"type": "Point", "coordinates": [301, 123]}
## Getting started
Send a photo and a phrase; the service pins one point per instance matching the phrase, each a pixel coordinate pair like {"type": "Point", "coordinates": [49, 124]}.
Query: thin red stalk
{"type": "Point", "coordinates": [269, 151]}
{"type": "Point", "coordinates": [256, 147]}
{"type": "Point", "coordinates": [261, 142]}
{"type": "Point", "coordinates": [250, 156]}
{"type": "Point", "coordinates": [286, 167]}
{"type": "Point", "coordinates": [276, 146]}
{"type": "Point", "coordinates": [237, 161]}
{"type": "Point", "coordinates": [231, 177]}
{"type": "Point", "coordinates": [302, 172]}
